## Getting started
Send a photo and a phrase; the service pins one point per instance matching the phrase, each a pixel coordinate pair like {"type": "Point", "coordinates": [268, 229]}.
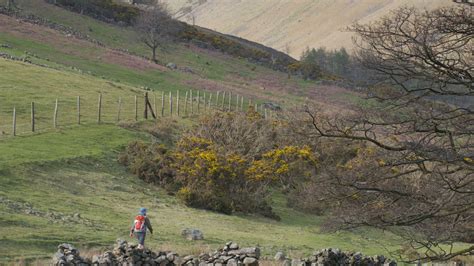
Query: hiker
{"type": "Point", "coordinates": [139, 227]}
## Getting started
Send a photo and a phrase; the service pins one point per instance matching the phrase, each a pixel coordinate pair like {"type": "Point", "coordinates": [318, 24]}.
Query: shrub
{"type": "Point", "coordinates": [288, 165]}
{"type": "Point", "coordinates": [150, 162]}
{"type": "Point", "coordinates": [106, 10]}
{"type": "Point", "coordinates": [216, 179]}
{"type": "Point", "coordinates": [248, 135]}
{"type": "Point", "coordinates": [227, 163]}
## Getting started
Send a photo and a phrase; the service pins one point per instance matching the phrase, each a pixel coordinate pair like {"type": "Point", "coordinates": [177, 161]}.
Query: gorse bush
{"type": "Point", "coordinates": [216, 180]}
{"type": "Point", "coordinates": [150, 162]}
{"type": "Point", "coordinates": [287, 165]}
{"type": "Point", "coordinates": [248, 135]}
{"type": "Point", "coordinates": [227, 163]}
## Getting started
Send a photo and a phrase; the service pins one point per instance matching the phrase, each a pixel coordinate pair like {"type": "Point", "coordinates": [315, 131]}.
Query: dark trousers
{"type": "Point", "coordinates": [140, 237]}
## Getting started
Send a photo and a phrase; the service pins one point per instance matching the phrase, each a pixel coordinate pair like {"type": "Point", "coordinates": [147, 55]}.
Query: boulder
{"type": "Point", "coordinates": [192, 234]}
{"type": "Point", "coordinates": [249, 261]}
{"type": "Point", "coordinates": [280, 256]}
{"type": "Point", "coordinates": [171, 66]}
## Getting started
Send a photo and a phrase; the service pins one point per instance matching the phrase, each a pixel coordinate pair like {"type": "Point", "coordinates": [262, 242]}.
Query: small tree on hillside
{"type": "Point", "coordinates": [156, 26]}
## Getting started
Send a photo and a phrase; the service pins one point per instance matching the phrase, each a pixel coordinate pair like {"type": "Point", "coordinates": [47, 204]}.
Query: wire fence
{"type": "Point", "coordinates": [27, 118]}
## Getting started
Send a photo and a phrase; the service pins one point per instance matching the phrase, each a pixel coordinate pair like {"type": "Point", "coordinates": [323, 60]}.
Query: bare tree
{"type": "Point", "coordinates": [156, 26]}
{"type": "Point", "coordinates": [414, 170]}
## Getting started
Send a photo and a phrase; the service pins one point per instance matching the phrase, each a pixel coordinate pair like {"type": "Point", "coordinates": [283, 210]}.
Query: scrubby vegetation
{"type": "Point", "coordinates": [232, 46]}
{"type": "Point", "coordinates": [228, 163]}
{"type": "Point", "coordinates": [106, 10]}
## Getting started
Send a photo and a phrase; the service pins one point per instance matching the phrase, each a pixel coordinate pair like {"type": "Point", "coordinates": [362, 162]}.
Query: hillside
{"type": "Point", "coordinates": [64, 184]}
{"type": "Point", "coordinates": [290, 25]}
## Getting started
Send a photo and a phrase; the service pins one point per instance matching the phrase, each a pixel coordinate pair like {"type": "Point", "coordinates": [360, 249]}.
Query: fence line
{"type": "Point", "coordinates": [65, 111]}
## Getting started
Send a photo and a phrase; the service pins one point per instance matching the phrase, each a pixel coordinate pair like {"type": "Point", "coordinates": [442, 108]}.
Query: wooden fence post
{"type": "Point", "coordinates": [186, 104]}
{"type": "Point", "coordinates": [171, 104]}
{"type": "Point", "coordinates": [242, 103]}
{"type": "Point", "coordinates": [55, 117]}
{"type": "Point", "coordinates": [78, 110]}
{"type": "Point", "coordinates": [192, 101]}
{"type": "Point", "coordinates": [198, 101]}
{"type": "Point", "coordinates": [32, 116]}
{"type": "Point", "coordinates": [265, 112]}
{"type": "Point", "coordinates": [14, 122]}
{"type": "Point", "coordinates": [230, 101]}
{"type": "Point", "coordinates": [154, 105]}
{"type": "Point", "coordinates": [177, 102]}
{"type": "Point", "coordinates": [209, 102]}
{"type": "Point", "coordinates": [162, 103]}
{"type": "Point", "coordinates": [217, 99]}
{"type": "Point", "coordinates": [237, 103]}
{"type": "Point", "coordinates": [204, 101]}
{"type": "Point", "coordinates": [99, 109]}
{"type": "Point", "coordinates": [145, 110]}
{"type": "Point", "coordinates": [136, 108]}
{"type": "Point", "coordinates": [223, 100]}
{"type": "Point", "coordinates": [119, 109]}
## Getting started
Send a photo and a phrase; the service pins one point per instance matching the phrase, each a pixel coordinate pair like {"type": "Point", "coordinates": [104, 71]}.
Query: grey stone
{"type": "Point", "coordinates": [280, 256]}
{"type": "Point", "coordinates": [160, 259]}
{"type": "Point", "coordinates": [297, 262]}
{"type": "Point", "coordinates": [192, 234]}
{"type": "Point", "coordinates": [249, 261]}
{"type": "Point", "coordinates": [225, 259]}
{"type": "Point", "coordinates": [187, 258]}
{"type": "Point", "coordinates": [232, 262]}
{"type": "Point", "coordinates": [170, 256]}
{"type": "Point", "coordinates": [171, 66]}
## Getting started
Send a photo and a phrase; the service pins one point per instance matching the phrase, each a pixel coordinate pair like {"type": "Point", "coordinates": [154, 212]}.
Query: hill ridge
{"type": "Point", "coordinates": [290, 26]}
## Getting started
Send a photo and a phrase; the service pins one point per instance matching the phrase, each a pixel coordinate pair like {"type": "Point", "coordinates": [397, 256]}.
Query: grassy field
{"type": "Point", "coordinates": [75, 171]}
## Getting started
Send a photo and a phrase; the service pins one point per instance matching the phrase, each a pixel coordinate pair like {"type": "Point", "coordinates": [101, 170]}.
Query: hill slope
{"type": "Point", "coordinates": [65, 185]}
{"type": "Point", "coordinates": [293, 24]}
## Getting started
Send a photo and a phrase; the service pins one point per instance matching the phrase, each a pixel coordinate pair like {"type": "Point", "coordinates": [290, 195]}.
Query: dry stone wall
{"type": "Point", "coordinates": [128, 254]}
{"type": "Point", "coordinates": [231, 254]}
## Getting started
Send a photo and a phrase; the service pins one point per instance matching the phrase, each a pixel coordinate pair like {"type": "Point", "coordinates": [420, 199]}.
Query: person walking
{"type": "Point", "coordinates": [139, 227]}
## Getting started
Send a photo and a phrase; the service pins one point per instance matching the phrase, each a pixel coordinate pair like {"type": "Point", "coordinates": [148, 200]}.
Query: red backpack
{"type": "Point", "coordinates": [139, 225]}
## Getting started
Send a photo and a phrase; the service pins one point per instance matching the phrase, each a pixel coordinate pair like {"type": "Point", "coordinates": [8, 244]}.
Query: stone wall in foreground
{"type": "Point", "coordinates": [231, 255]}
{"type": "Point", "coordinates": [128, 254]}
